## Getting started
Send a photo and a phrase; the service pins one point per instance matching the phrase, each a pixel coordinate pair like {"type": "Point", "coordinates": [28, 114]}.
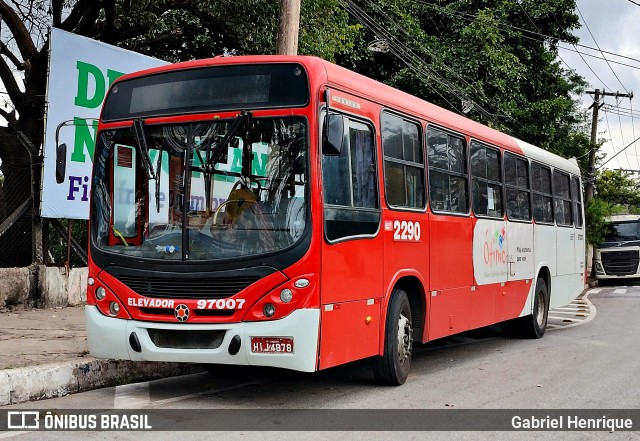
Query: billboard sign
{"type": "Point", "coordinates": [80, 73]}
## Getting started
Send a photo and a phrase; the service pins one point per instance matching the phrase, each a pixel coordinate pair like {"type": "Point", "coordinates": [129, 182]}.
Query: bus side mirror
{"type": "Point", "coordinates": [333, 135]}
{"type": "Point", "coordinates": [61, 162]}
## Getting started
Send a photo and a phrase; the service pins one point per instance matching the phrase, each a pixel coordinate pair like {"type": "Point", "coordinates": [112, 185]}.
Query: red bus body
{"type": "Point", "coordinates": [351, 280]}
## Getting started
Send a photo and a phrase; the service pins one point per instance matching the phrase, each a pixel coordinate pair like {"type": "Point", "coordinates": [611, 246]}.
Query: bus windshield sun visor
{"type": "Point", "coordinates": [143, 150]}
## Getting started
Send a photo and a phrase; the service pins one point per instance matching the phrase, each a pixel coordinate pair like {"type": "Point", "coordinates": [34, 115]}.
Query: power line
{"type": "Point", "coordinates": [507, 26]}
{"type": "Point", "coordinates": [599, 58]}
{"type": "Point", "coordinates": [626, 147]}
{"type": "Point", "coordinates": [633, 130]}
{"type": "Point", "coordinates": [445, 67]}
{"type": "Point", "coordinates": [407, 56]}
{"type": "Point", "coordinates": [616, 111]}
{"type": "Point", "coordinates": [611, 139]}
{"type": "Point", "coordinates": [580, 54]}
{"type": "Point", "coordinates": [598, 46]}
{"type": "Point", "coordinates": [561, 59]}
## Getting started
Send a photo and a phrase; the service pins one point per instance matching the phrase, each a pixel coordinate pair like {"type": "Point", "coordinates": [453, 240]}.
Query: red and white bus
{"type": "Point", "coordinates": [284, 211]}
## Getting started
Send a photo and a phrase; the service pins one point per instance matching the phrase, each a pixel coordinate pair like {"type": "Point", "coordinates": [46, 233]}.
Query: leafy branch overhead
{"type": "Point", "coordinates": [500, 56]}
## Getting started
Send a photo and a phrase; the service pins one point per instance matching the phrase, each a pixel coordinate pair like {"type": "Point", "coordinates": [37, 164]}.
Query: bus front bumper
{"type": "Point", "coordinates": [112, 338]}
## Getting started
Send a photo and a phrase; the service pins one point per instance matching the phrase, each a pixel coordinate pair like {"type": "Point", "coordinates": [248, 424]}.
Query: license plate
{"type": "Point", "coordinates": [272, 345]}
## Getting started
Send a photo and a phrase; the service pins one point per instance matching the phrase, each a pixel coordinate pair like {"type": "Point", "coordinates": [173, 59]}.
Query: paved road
{"type": "Point", "coordinates": [592, 362]}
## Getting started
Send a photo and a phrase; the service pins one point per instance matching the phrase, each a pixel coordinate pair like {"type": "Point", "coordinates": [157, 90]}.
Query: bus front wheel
{"type": "Point", "coordinates": [392, 368]}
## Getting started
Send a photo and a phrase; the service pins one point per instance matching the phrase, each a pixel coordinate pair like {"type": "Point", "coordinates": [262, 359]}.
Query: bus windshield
{"type": "Point", "coordinates": [176, 192]}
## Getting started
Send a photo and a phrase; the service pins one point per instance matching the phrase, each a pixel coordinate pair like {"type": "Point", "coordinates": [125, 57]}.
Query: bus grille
{"type": "Point", "coordinates": [620, 263]}
{"type": "Point", "coordinates": [192, 288]}
{"type": "Point", "coordinates": [185, 339]}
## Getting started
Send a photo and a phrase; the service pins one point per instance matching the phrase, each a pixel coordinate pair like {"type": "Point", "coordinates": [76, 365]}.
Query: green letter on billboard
{"type": "Point", "coordinates": [113, 75]}
{"type": "Point", "coordinates": [84, 138]}
{"type": "Point", "coordinates": [82, 98]}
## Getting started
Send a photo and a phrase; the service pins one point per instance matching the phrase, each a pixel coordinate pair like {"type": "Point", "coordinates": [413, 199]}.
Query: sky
{"type": "Point", "coordinates": [612, 26]}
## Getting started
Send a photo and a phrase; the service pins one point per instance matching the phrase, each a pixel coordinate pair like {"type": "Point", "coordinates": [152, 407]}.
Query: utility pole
{"type": "Point", "coordinates": [288, 27]}
{"type": "Point", "coordinates": [594, 134]}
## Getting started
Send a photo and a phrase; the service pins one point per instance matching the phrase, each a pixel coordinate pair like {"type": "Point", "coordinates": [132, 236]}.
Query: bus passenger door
{"type": "Point", "coordinates": [576, 197]}
{"type": "Point", "coordinates": [351, 272]}
{"type": "Point", "coordinates": [565, 241]}
{"type": "Point", "coordinates": [451, 275]}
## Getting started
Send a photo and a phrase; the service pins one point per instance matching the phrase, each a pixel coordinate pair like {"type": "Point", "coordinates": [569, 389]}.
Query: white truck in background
{"type": "Point", "coordinates": [617, 257]}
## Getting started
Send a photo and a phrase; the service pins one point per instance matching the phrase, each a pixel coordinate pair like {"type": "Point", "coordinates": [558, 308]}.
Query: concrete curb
{"type": "Point", "coordinates": [60, 379]}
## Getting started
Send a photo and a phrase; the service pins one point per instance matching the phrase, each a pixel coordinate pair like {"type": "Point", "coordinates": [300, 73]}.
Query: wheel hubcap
{"type": "Point", "coordinates": [404, 339]}
{"type": "Point", "coordinates": [540, 311]}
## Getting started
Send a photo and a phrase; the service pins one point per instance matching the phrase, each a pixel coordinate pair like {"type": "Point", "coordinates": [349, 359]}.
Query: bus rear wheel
{"type": "Point", "coordinates": [392, 368]}
{"type": "Point", "coordinates": [533, 325]}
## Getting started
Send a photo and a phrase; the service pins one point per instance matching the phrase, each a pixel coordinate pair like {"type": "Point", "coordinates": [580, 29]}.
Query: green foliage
{"type": "Point", "coordinates": [490, 52]}
{"type": "Point", "coordinates": [241, 27]}
{"type": "Point", "coordinates": [596, 213]}
{"type": "Point", "coordinates": [57, 252]}
{"type": "Point", "coordinates": [616, 192]}
{"type": "Point", "coordinates": [617, 188]}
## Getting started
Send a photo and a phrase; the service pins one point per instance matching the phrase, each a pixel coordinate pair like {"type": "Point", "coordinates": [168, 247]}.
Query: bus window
{"type": "Point", "coordinates": [516, 180]}
{"type": "Point", "coordinates": [576, 197]}
{"type": "Point", "coordinates": [350, 186]}
{"type": "Point", "coordinates": [542, 196]}
{"type": "Point", "coordinates": [562, 198]}
{"type": "Point", "coordinates": [487, 181]}
{"type": "Point", "coordinates": [447, 171]}
{"type": "Point", "coordinates": [403, 162]}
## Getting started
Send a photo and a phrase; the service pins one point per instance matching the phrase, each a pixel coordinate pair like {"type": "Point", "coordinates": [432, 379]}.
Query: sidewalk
{"type": "Point", "coordinates": [44, 354]}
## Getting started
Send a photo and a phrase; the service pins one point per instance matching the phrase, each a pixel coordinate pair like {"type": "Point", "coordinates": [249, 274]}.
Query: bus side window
{"type": "Point", "coordinates": [516, 181]}
{"type": "Point", "coordinates": [576, 197]}
{"type": "Point", "coordinates": [448, 177]}
{"type": "Point", "coordinates": [486, 179]}
{"type": "Point", "coordinates": [350, 185]}
{"type": "Point", "coordinates": [403, 162]}
{"type": "Point", "coordinates": [562, 198]}
{"type": "Point", "coordinates": [542, 196]}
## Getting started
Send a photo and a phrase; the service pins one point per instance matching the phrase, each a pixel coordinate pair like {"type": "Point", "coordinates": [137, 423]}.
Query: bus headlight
{"type": "Point", "coordinates": [114, 308]}
{"type": "Point", "coordinates": [100, 293]}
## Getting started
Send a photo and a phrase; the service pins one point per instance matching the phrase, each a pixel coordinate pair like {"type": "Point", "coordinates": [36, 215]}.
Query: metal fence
{"type": "Point", "coordinates": [25, 238]}
{"type": "Point", "coordinates": [16, 216]}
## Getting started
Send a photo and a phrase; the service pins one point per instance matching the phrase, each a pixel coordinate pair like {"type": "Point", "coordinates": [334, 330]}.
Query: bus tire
{"type": "Point", "coordinates": [538, 321]}
{"type": "Point", "coordinates": [392, 368]}
{"type": "Point", "coordinates": [533, 325]}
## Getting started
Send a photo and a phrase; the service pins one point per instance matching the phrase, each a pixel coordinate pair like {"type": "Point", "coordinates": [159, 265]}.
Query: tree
{"type": "Point", "coordinates": [173, 30]}
{"type": "Point", "coordinates": [618, 187]}
{"type": "Point", "coordinates": [616, 192]}
{"type": "Point", "coordinates": [499, 55]}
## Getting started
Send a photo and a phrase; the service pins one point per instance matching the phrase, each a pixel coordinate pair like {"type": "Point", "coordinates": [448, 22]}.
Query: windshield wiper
{"type": "Point", "coordinates": [143, 151]}
{"type": "Point", "coordinates": [219, 152]}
